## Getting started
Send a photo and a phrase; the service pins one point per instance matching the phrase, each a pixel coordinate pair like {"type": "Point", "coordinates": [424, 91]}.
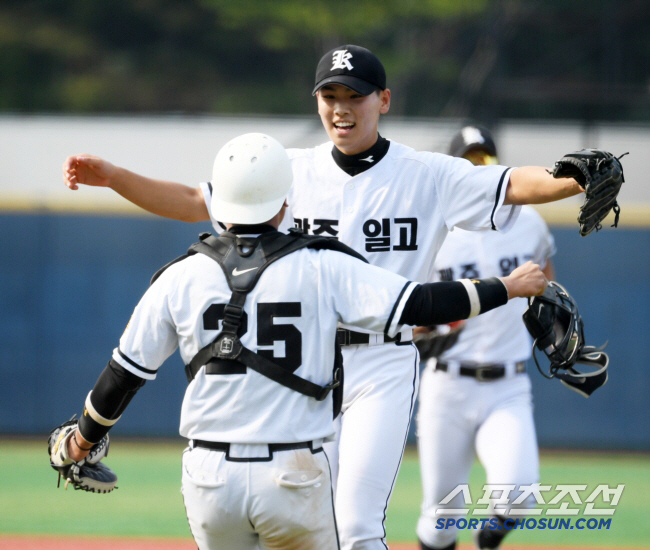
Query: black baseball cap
{"type": "Point", "coordinates": [472, 138]}
{"type": "Point", "coordinates": [353, 66]}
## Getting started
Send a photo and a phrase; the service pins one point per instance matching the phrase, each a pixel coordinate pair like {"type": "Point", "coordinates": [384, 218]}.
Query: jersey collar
{"type": "Point", "coordinates": [355, 164]}
{"type": "Point", "coordinates": [251, 229]}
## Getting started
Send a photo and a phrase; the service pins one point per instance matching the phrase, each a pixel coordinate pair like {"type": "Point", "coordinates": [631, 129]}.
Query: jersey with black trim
{"type": "Point", "coordinates": [498, 335]}
{"type": "Point", "coordinates": [398, 212]}
{"type": "Point", "coordinates": [291, 315]}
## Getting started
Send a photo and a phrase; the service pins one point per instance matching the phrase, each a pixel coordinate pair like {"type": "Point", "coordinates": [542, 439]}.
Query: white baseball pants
{"type": "Point", "coordinates": [285, 503]}
{"type": "Point", "coordinates": [379, 395]}
{"type": "Point", "coordinates": [459, 419]}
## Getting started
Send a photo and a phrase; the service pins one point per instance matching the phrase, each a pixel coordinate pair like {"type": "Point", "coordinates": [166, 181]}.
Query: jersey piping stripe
{"type": "Point", "coordinates": [416, 371]}
{"type": "Point", "coordinates": [209, 199]}
{"type": "Point", "coordinates": [336, 527]}
{"type": "Point", "coordinates": [496, 200]}
{"type": "Point", "coordinates": [392, 313]}
{"type": "Point", "coordinates": [134, 364]}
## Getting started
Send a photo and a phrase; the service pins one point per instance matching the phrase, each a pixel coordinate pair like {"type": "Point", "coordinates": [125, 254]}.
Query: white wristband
{"type": "Point", "coordinates": [90, 411]}
{"type": "Point", "coordinates": [472, 294]}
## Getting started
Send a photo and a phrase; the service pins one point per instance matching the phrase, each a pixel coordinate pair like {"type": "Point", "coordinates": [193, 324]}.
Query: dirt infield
{"type": "Point", "coordinates": [49, 542]}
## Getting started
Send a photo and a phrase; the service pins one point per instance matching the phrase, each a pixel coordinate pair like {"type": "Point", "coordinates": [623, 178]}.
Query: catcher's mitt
{"type": "Point", "coordinates": [88, 474]}
{"type": "Point", "coordinates": [601, 175]}
{"type": "Point", "coordinates": [433, 341]}
{"type": "Point", "coordinates": [552, 319]}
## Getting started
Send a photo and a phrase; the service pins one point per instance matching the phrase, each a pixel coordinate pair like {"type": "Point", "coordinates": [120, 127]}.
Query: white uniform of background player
{"type": "Point", "coordinates": [393, 205]}
{"type": "Point", "coordinates": [461, 416]}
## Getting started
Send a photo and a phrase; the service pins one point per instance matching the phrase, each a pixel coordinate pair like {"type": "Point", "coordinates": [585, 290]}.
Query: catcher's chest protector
{"type": "Point", "coordinates": [248, 258]}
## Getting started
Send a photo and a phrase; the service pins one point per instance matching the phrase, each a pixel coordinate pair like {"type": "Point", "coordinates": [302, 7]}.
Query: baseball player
{"type": "Point", "coordinates": [255, 473]}
{"type": "Point", "coordinates": [388, 202]}
{"type": "Point", "coordinates": [475, 398]}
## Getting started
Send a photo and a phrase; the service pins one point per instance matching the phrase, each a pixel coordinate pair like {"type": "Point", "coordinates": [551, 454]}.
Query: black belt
{"type": "Point", "coordinates": [482, 373]}
{"type": "Point", "coordinates": [273, 447]}
{"type": "Point", "coordinates": [347, 337]}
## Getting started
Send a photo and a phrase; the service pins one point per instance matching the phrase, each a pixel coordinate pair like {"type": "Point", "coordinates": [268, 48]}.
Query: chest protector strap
{"type": "Point", "coordinates": [243, 260]}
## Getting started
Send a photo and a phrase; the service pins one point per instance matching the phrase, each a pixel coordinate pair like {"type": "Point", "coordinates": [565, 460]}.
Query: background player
{"type": "Point", "coordinates": [475, 399]}
{"type": "Point", "coordinates": [255, 473]}
{"type": "Point", "coordinates": [393, 205]}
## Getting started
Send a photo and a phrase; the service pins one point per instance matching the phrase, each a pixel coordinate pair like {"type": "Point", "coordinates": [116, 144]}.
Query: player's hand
{"type": "Point", "coordinates": [88, 170]}
{"type": "Point", "coordinates": [81, 467]}
{"type": "Point", "coordinates": [75, 452]}
{"type": "Point", "coordinates": [526, 280]}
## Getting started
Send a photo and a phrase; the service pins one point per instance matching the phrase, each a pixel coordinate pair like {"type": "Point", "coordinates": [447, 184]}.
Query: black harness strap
{"type": "Point", "coordinates": [228, 346]}
{"type": "Point", "coordinates": [275, 245]}
{"type": "Point", "coordinates": [243, 261]}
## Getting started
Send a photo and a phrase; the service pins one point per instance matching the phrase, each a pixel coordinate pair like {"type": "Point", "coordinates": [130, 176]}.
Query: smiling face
{"type": "Point", "coordinates": [351, 120]}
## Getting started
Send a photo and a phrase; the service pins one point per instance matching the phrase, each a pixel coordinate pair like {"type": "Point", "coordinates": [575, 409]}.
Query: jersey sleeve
{"type": "Point", "coordinates": [545, 248]}
{"type": "Point", "coordinates": [150, 335]}
{"type": "Point", "coordinates": [206, 189]}
{"type": "Point", "coordinates": [472, 197]}
{"type": "Point", "coordinates": [363, 295]}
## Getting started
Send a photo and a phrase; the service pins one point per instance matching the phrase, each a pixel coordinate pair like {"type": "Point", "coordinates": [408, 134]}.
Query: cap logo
{"type": "Point", "coordinates": [472, 135]}
{"type": "Point", "coordinates": [341, 60]}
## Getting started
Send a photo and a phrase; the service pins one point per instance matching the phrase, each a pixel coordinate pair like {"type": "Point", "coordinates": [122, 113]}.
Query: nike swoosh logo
{"type": "Point", "coordinates": [236, 271]}
{"type": "Point", "coordinates": [369, 159]}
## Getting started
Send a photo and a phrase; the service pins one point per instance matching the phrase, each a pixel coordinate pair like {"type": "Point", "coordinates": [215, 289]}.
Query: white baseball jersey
{"type": "Point", "coordinates": [499, 335]}
{"type": "Point", "coordinates": [398, 212]}
{"type": "Point", "coordinates": [293, 310]}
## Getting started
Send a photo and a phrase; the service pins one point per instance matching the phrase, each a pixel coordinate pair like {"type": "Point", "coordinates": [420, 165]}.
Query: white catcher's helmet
{"type": "Point", "coordinates": [251, 177]}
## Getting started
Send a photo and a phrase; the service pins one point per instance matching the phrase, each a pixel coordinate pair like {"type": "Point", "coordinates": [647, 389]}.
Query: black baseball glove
{"type": "Point", "coordinates": [601, 175]}
{"type": "Point", "coordinates": [88, 474]}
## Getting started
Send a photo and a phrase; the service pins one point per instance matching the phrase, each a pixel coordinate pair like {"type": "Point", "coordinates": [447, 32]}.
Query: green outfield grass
{"type": "Point", "coordinates": [148, 501]}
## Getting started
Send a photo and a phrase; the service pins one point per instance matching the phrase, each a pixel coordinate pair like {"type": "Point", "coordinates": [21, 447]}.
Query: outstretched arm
{"type": "Point", "coordinates": [445, 302]}
{"type": "Point", "coordinates": [163, 198]}
{"type": "Point", "coordinates": [534, 185]}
